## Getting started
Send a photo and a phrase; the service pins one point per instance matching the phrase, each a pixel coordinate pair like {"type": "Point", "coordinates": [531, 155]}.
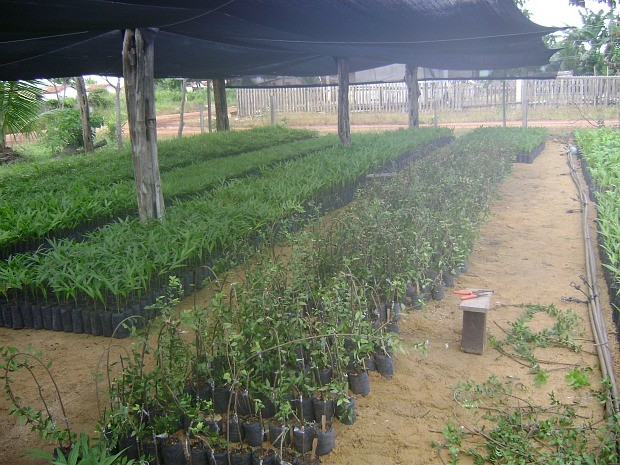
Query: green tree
{"type": "Point", "coordinates": [521, 5]}
{"type": "Point", "coordinates": [60, 87]}
{"type": "Point", "coordinates": [101, 99]}
{"type": "Point", "coordinates": [169, 84]}
{"type": "Point", "coordinates": [20, 105]}
{"type": "Point", "coordinates": [593, 48]}
{"type": "Point", "coordinates": [64, 128]}
{"type": "Point", "coordinates": [582, 3]}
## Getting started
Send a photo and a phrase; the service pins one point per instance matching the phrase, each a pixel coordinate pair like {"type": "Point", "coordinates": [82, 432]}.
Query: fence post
{"type": "Point", "coordinates": [209, 105]}
{"type": "Point", "coordinates": [201, 109]}
{"type": "Point", "coordinates": [272, 109]}
{"type": "Point", "coordinates": [434, 104]}
{"type": "Point", "coordinates": [524, 103]}
{"type": "Point", "coordinates": [504, 103]}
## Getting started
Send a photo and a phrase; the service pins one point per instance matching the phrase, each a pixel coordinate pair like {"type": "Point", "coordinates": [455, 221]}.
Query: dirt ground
{"type": "Point", "coordinates": [168, 125]}
{"type": "Point", "coordinates": [529, 251]}
{"type": "Point", "coordinates": [8, 155]}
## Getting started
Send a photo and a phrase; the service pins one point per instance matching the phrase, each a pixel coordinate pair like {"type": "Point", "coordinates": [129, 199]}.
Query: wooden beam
{"type": "Point", "coordinates": [138, 66]}
{"type": "Point", "coordinates": [87, 131]}
{"type": "Point", "coordinates": [221, 106]}
{"type": "Point", "coordinates": [413, 95]}
{"type": "Point", "coordinates": [344, 125]}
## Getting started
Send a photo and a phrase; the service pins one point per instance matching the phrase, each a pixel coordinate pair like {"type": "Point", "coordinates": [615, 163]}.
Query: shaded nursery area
{"type": "Point", "coordinates": [280, 349]}
{"type": "Point", "coordinates": [272, 296]}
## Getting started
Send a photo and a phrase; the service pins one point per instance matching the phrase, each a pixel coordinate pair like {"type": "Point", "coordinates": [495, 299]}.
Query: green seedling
{"type": "Point", "coordinates": [578, 377]}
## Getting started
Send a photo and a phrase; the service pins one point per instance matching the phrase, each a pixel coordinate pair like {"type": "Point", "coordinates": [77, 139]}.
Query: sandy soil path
{"type": "Point", "coordinates": [529, 251]}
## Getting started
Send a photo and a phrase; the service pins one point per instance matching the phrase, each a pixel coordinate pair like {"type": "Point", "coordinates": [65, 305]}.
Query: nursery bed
{"type": "Point", "coordinates": [529, 252]}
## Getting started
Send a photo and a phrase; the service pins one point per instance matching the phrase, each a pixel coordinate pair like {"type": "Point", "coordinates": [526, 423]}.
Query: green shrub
{"type": "Point", "coordinates": [64, 128]}
{"type": "Point", "coordinates": [54, 104]}
{"type": "Point", "coordinates": [101, 99]}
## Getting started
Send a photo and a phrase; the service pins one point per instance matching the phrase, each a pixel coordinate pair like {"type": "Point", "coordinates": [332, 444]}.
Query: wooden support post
{"type": "Point", "coordinates": [524, 103]}
{"type": "Point", "coordinates": [221, 106]}
{"type": "Point", "coordinates": [201, 109]}
{"type": "Point", "coordinates": [272, 109]}
{"type": "Point", "coordinates": [434, 99]}
{"type": "Point", "coordinates": [138, 65]}
{"type": "Point", "coordinates": [182, 111]}
{"type": "Point", "coordinates": [344, 126]}
{"type": "Point", "coordinates": [87, 133]}
{"type": "Point", "coordinates": [504, 103]}
{"type": "Point", "coordinates": [118, 119]}
{"type": "Point", "coordinates": [209, 115]}
{"type": "Point", "coordinates": [413, 95]}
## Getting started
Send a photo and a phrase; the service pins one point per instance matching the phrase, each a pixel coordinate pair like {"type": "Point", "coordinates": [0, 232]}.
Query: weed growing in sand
{"type": "Point", "coordinates": [494, 425]}
{"type": "Point", "coordinates": [521, 341]}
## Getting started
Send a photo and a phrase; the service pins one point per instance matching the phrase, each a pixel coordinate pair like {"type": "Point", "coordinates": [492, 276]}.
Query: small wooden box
{"type": "Point", "coordinates": [474, 334]}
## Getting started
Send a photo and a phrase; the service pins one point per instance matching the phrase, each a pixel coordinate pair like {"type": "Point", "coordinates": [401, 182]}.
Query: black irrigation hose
{"type": "Point", "coordinates": [595, 313]}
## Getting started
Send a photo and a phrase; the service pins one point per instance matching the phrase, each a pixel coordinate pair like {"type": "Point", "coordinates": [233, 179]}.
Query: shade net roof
{"type": "Point", "coordinates": [233, 38]}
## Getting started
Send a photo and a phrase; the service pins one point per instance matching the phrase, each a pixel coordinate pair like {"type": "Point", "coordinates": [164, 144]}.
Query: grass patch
{"type": "Point", "coordinates": [34, 152]}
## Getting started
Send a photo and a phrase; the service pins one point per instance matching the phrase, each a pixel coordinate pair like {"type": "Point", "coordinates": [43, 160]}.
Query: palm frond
{"type": "Point", "coordinates": [20, 105]}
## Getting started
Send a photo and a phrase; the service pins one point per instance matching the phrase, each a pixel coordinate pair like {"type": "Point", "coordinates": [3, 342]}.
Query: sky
{"type": "Point", "coordinates": [558, 12]}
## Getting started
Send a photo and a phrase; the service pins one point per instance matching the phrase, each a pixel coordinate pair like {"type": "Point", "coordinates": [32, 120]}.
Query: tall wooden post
{"type": "Point", "coordinates": [524, 103]}
{"type": "Point", "coordinates": [138, 66]}
{"type": "Point", "coordinates": [504, 103]}
{"type": "Point", "coordinates": [117, 112]}
{"type": "Point", "coordinates": [201, 109]}
{"type": "Point", "coordinates": [434, 103]}
{"type": "Point", "coordinates": [413, 95]}
{"type": "Point", "coordinates": [84, 114]}
{"type": "Point", "coordinates": [272, 109]}
{"type": "Point", "coordinates": [209, 115]}
{"type": "Point", "coordinates": [344, 126]}
{"type": "Point", "coordinates": [221, 107]}
{"type": "Point", "coordinates": [182, 111]}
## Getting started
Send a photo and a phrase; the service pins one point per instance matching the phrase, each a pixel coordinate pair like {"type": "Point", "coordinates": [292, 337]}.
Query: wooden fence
{"type": "Point", "coordinates": [439, 96]}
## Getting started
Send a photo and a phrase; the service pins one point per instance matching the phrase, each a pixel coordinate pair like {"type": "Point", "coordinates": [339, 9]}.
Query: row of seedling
{"type": "Point", "coordinates": [600, 155]}
{"type": "Point", "coordinates": [280, 356]}
{"type": "Point", "coordinates": [123, 264]}
{"type": "Point", "coordinates": [34, 209]}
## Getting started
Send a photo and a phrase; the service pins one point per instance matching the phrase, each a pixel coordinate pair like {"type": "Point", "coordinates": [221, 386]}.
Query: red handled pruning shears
{"type": "Point", "coordinates": [472, 294]}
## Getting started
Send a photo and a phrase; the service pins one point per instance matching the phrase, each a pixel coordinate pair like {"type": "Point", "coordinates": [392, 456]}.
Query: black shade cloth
{"type": "Point", "coordinates": [234, 38]}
